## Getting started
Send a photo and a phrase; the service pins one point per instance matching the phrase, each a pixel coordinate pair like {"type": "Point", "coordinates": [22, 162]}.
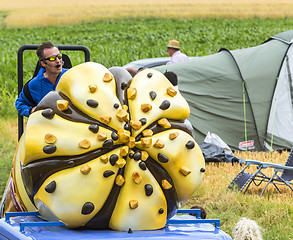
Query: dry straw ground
{"type": "Point", "coordinates": [66, 12]}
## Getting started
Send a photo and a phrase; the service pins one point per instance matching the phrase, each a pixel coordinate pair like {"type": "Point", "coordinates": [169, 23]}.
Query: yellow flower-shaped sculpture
{"type": "Point", "coordinates": [102, 153]}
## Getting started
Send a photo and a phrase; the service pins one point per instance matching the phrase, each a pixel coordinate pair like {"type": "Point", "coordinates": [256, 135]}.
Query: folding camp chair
{"type": "Point", "coordinates": [283, 175]}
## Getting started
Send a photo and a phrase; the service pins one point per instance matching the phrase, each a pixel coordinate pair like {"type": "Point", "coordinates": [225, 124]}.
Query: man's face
{"type": "Point", "coordinates": [54, 67]}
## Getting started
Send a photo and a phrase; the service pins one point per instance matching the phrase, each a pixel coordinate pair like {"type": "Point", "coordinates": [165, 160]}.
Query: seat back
{"type": "Point", "coordinates": [65, 60]}
{"type": "Point", "coordinates": [287, 175]}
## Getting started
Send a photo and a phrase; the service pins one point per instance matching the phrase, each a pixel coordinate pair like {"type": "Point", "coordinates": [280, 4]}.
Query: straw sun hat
{"type": "Point", "coordinates": [173, 44]}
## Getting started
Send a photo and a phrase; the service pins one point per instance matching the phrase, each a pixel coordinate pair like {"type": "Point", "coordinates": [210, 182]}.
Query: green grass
{"type": "Point", "coordinates": [117, 42]}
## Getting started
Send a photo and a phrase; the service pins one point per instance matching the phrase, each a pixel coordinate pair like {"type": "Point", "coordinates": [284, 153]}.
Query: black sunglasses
{"type": "Point", "coordinates": [54, 57]}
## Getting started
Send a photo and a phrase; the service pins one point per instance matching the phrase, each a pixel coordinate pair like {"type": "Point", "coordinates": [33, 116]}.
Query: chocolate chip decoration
{"type": "Point", "coordinates": [51, 187]}
{"type": "Point", "coordinates": [94, 128]}
{"type": "Point", "coordinates": [162, 158]}
{"type": "Point", "coordinates": [143, 121]}
{"type": "Point", "coordinates": [87, 208]}
{"type": "Point", "coordinates": [123, 85]}
{"type": "Point", "coordinates": [108, 173]}
{"type": "Point", "coordinates": [127, 127]}
{"type": "Point", "coordinates": [153, 95]}
{"type": "Point", "coordinates": [161, 211]}
{"type": "Point", "coordinates": [142, 166]}
{"type": "Point", "coordinates": [148, 189]}
{"type": "Point", "coordinates": [165, 105]}
{"type": "Point", "coordinates": [190, 144]}
{"type": "Point", "coordinates": [137, 156]}
{"type": "Point", "coordinates": [113, 159]}
{"type": "Point", "coordinates": [114, 136]}
{"type": "Point", "coordinates": [108, 143]}
{"type": "Point", "coordinates": [92, 103]}
{"type": "Point", "coordinates": [49, 149]}
{"type": "Point", "coordinates": [48, 113]}
{"type": "Point", "coordinates": [149, 75]}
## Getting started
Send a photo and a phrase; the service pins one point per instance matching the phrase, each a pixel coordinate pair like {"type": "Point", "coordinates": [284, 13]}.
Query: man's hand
{"type": "Point", "coordinates": [32, 110]}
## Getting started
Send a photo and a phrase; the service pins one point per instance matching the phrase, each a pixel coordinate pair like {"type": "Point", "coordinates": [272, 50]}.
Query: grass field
{"type": "Point", "coordinates": [117, 32]}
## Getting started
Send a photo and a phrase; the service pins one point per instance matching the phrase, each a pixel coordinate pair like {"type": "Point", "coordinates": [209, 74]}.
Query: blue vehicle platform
{"type": "Point", "coordinates": [28, 226]}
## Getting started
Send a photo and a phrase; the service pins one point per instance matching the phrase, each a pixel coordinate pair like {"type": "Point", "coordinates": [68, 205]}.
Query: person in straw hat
{"type": "Point", "coordinates": [174, 52]}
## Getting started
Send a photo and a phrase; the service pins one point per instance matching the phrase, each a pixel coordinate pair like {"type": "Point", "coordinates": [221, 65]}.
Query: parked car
{"type": "Point", "coordinates": [148, 62]}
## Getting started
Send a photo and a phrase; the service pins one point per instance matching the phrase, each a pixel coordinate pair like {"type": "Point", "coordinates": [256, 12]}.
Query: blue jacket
{"type": "Point", "coordinates": [34, 91]}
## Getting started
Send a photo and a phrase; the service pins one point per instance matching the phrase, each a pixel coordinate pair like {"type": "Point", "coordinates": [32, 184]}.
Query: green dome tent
{"type": "Point", "coordinates": [244, 96]}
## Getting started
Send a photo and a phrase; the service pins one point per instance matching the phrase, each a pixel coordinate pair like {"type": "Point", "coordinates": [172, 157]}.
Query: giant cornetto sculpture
{"type": "Point", "coordinates": [102, 153]}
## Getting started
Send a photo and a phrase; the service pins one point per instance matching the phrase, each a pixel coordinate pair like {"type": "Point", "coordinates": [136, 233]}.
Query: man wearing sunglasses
{"type": "Point", "coordinates": [47, 79]}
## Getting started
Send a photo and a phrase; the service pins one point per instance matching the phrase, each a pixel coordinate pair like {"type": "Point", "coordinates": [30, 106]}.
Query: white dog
{"type": "Point", "coordinates": [246, 229]}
